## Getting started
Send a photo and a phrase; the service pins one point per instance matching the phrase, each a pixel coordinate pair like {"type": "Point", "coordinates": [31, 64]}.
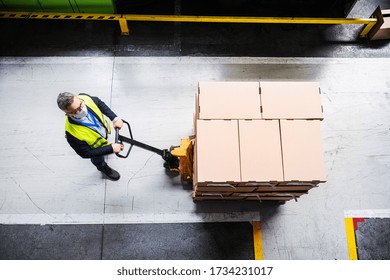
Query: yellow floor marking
{"type": "Point", "coordinates": [351, 238]}
{"type": "Point", "coordinates": [257, 240]}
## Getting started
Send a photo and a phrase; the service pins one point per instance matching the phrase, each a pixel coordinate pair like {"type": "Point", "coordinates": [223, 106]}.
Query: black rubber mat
{"type": "Point", "coordinates": [189, 241]}
{"type": "Point", "coordinates": [373, 239]}
{"type": "Point", "coordinates": [50, 242]}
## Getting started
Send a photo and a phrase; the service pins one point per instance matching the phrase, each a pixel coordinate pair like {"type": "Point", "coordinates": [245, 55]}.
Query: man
{"type": "Point", "coordinates": [86, 129]}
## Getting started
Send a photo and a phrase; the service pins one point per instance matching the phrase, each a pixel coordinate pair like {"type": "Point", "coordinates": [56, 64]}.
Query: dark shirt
{"type": "Point", "coordinates": [81, 147]}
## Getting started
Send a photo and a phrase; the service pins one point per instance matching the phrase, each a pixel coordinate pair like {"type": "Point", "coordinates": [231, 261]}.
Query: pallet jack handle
{"type": "Point", "coordinates": [120, 139]}
{"type": "Point", "coordinates": [171, 161]}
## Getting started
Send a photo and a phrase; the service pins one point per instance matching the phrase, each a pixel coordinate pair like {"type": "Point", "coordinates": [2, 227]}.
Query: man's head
{"type": "Point", "coordinates": [70, 103]}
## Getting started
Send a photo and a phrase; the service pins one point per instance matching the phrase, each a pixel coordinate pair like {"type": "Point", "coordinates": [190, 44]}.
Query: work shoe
{"type": "Point", "coordinates": [110, 173]}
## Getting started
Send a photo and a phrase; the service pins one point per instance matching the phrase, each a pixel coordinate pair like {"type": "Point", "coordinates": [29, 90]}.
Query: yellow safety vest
{"type": "Point", "coordinates": [83, 133]}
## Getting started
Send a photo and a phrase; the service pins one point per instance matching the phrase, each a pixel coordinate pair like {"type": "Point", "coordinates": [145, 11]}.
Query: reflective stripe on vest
{"type": "Point", "coordinates": [83, 133]}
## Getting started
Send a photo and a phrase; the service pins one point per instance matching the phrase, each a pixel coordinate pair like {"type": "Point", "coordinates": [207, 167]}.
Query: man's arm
{"type": "Point", "coordinates": [104, 108]}
{"type": "Point", "coordinates": [107, 111]}
{"type": "Point", "coordinates": [83, 149]}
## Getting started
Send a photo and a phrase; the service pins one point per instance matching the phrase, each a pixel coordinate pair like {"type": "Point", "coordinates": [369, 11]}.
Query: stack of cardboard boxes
{"type": "Point", "coordinates": [257, 140]}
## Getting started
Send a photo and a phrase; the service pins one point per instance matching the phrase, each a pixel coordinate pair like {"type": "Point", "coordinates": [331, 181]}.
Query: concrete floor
{"type": "Point", "coordinates": [150, 79]}
{"type": "Point", "coordinates": [44, 182]}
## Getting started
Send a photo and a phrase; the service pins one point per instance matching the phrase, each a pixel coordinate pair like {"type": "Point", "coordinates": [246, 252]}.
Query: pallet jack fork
{"type": "Point", "coordinates": [176, 158]}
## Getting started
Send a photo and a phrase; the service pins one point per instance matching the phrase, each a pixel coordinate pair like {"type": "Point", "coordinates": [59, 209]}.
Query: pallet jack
{"type": "Point", "coordinates": [176, 158]}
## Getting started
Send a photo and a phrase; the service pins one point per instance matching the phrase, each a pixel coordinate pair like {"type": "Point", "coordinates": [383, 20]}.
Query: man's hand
{"type": "Point", "coordinates": [118, 123]}
{"type": "Point", "coordinates": [117, 148]}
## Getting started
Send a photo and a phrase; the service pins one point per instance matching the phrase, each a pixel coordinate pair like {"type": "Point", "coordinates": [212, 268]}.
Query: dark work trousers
{"type": "Point", "coordinates": [99, 162]}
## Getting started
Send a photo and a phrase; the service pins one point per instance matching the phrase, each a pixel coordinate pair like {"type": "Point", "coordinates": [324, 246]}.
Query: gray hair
{"type": "Point", "coordinates": [64, 100]}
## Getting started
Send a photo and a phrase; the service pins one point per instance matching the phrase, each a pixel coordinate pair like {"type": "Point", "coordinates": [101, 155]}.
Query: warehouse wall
{"type": "Point", "coordinates": [308, 8]}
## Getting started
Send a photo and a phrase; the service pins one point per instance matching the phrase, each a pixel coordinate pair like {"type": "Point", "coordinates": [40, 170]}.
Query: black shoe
{"type": "Point", "coordinates": [110, 173]}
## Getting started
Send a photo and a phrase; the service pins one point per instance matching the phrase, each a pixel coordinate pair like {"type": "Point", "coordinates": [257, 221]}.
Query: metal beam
{"type": "Point", "coordinates": [122, 18]}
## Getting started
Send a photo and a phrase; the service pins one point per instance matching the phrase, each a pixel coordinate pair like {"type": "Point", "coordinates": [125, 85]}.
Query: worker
{"type": "Point", "coordinates": [86, 129]}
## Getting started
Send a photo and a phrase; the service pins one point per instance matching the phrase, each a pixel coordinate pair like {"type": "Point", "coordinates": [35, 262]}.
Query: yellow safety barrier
{"type": "Point", "coordinates": [368, 23]}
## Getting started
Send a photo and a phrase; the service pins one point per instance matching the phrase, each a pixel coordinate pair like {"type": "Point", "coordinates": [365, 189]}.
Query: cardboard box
{"type": "Point", "coordinates": [381, 29]}
{"type": "Point", "coordinates": [240, 156]}
{"type": "Point", "coordinates": [260, 151]}
{"type": "Point", "coordinates": [291, 100]}
{"type": "Point", "coordinates": [217, 151]}
{"type": "Point", "coordinates": [229, 100]}
{"type": "Point", "coordinates": [303, 156]}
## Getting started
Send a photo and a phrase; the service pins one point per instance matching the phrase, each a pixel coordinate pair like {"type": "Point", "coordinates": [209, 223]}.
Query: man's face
{"type": "Point", "coordinates": [75, 107]}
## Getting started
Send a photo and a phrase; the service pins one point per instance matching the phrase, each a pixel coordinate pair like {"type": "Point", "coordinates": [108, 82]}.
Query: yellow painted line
{"type": "Point", "coordinates": [257, 240]}
{"type": "Point", "coordinates": [351, 239]}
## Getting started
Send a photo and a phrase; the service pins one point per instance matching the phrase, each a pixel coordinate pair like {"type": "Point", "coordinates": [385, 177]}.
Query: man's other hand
{"type": "Point", "coordinates": [117, 148]}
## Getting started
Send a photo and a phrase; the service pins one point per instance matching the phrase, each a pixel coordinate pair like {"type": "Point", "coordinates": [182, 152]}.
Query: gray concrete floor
{"type": "Point", "coordinates": [42, 181]}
